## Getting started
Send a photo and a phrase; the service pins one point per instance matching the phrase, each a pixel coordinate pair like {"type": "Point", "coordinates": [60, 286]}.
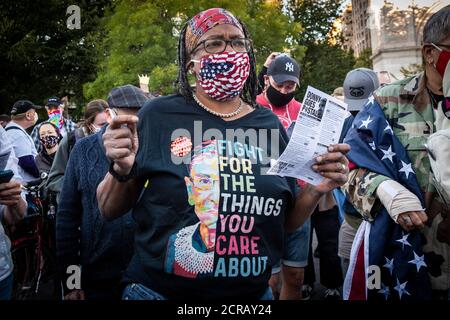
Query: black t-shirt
{"type": "Point", "coordinates": [210, 221]}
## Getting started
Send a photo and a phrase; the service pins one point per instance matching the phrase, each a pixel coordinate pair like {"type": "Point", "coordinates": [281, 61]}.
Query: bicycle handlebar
{"type": "Point", "coordinates": [32, 183]}
{"type": "Point", "coordinates": [36, 184]}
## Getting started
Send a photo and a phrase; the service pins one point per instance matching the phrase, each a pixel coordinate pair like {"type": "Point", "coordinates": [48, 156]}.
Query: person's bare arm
{"type": "Point", "coordinates": [305, 203]}
{"type": "Point", "coordinates": [15, 206]}
{"type": "Point", "coordinates": [117, 198]}
{"type": "Point", "coordinates": [121, 145]}
{"type": "Point", "coordinates": [270, 58]}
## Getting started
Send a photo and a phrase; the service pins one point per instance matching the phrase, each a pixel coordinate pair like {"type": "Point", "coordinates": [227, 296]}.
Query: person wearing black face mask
{"type": "Point", "coordinates": [280, 83]}
{"type": "Point", "coordinates": [50, 137]}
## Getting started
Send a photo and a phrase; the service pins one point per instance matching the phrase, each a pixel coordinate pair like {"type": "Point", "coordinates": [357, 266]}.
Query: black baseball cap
{"type": "Point", "coordinates": [127, 96]}
{"type": "Point", "coordinates": [23, 106]}
{"type": "Point", "coordinates": [284, 68]}
{"type": "Point", "coordinates": [53, 102]}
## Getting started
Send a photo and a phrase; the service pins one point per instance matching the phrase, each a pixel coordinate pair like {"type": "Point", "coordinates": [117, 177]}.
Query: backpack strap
{"type": "Point", "coordinates": [12, 128]}
{"type": "Point", "coordinates": [72, 140]}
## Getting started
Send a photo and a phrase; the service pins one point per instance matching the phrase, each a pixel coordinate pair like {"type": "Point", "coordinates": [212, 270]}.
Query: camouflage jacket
{"type": "Point", "coordinates": [407, 106]}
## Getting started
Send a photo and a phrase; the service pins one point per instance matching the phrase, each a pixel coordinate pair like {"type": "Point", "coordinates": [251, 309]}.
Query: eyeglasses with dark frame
{"type": "Point", "coordinates": [219, 45]}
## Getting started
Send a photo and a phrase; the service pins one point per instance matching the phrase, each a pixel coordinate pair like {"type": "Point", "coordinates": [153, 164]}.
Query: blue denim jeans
{"type": "Point", "coordinates": [295, 248]}
{"type": "Point", "coordinates": [6, 287]}
{"type": "Point", "coordinates": [268, 295]}
{"type": "Point", "coordinates": [137, 291]}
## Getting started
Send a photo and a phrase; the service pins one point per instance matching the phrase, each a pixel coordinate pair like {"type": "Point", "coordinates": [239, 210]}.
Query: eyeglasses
{"type": "Point", "coordinates": [437, 45]}
{"type": "Point", "coordinates": [219, 45]}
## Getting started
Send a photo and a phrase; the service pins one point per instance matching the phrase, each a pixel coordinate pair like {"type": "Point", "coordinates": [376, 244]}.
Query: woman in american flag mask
{"type": "Point", "coordinates": [243, 211]}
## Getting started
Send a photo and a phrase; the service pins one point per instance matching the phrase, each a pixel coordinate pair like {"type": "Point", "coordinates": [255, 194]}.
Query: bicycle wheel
{"type": "Point", "coordinates": [48, 284]}
{"type": "Point", "coordinates": [31, 283]}
{"type": "Point", "coordinates": [24, 270]}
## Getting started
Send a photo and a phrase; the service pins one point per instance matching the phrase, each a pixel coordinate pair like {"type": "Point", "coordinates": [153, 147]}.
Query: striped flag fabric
{"type": "Point", "coordinates": [382, 244]}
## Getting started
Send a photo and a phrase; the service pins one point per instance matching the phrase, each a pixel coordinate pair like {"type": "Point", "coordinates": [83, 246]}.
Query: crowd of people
{"type": "Point", "coordinates": [162, 198]}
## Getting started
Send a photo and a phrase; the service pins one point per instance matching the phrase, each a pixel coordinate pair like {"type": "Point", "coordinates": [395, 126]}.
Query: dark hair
{"type": "Point", "coordinates": [250, 88]}
{"type": "Point", "coordinates": [437, 28]}
{"type": "Point", "coordinates": [58, 132]}
{"type": "Point", "coordinates": [97, 103]}
{"type": "Point", "coordinates": [93, 108]}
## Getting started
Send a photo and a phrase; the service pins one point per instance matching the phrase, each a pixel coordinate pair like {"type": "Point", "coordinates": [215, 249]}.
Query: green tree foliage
{"type": "Point", "coordinates": [364, 61]}
{"type": "Point", "coordinates": [325, 68]}
{"type": "Point", "coordinates": [316, 17]}
{"type": "Point", "coordinates": [143, 36]}
{"type": "Point", "coordinates": [39, 55]}
{"type": "Point", "coordinates": [135, 43]}
{"type": "Point", "coordinates": [162, 78]}
{"type": "Point", "coordinates": [120, 39]}
{"type": "Point", "coordinates": [324, 65]}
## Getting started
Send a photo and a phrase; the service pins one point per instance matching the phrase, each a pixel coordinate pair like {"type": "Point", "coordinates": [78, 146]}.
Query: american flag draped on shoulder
{"type": "Point", "coordinates": [384, 243]}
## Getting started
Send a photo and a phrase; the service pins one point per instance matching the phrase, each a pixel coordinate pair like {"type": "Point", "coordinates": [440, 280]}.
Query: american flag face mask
{"type": "Point", "coordinates": [222, 75]}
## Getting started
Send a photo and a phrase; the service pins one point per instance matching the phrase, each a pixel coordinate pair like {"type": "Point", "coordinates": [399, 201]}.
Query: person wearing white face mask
{"type": "Point", "coordinates": [24, 116]}
{"type": "Point", "coordinates": [95, 118]}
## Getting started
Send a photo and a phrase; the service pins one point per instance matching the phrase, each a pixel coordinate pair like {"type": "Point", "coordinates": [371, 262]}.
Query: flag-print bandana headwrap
{"type": "Point", "coordinates": [205, 21]}
{"type": "Point", "coordinates": [222, 76]}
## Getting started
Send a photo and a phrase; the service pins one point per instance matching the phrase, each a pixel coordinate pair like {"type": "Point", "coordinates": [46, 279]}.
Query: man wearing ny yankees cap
{"type": "Point", "coordinates": [280, 84]}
